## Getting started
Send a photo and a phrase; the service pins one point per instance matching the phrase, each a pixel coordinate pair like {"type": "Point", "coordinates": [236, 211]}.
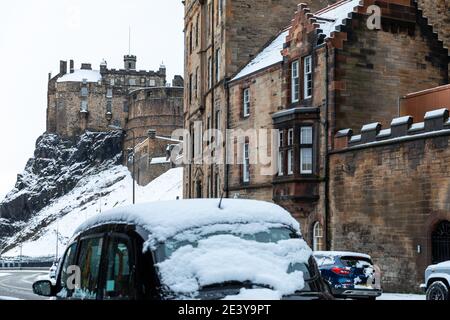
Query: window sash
{"type": "Point", "coordinates": [307, 77]}
{"type": "Point", "coordinates": [246, 164]}
{"type": "Point", "coordinates": [218, 65]}
{"type": "Point", "coordinates": [295, 82]}
{"type": "Point", "coordinates": [306, 163]}
{"type": "Point", "coordinates": [306, 136]}
{"type": "Point", "coordinates": [290, 159]}
{"type": "Point", "coordinates": [246, 102]}
{"type": "Point", "coordinates": [280, 153]}
{"type": "Point", "coordinates": [210, 71]}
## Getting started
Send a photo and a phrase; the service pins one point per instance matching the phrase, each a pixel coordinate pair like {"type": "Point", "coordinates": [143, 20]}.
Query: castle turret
{"type": "Point", "coordinates": [130, 62]}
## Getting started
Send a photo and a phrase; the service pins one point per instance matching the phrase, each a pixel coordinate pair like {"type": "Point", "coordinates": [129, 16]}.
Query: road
{"type": "Point", "coordinates": [16, 284]}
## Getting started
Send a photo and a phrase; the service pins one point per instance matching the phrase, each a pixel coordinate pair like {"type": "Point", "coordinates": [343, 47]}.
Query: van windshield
{"type": "Point", "coordinates": [272, 235]}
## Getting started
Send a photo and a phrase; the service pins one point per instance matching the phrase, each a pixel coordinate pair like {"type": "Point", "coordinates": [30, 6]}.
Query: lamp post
{"type": "Point", "coordinates": [125, 132]}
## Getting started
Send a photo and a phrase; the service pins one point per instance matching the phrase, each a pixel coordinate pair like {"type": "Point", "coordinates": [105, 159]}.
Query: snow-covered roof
{"type": "Point", "coordinates": [334, 15]}
{"type": "Point", "coordinates": [164, 220]}
{"type": "Point", "coordinates": [80, 75]}
{"type": "Point", "coordinates": [269, 56]}
{"type": "Point", "coordinates": [342, 254]}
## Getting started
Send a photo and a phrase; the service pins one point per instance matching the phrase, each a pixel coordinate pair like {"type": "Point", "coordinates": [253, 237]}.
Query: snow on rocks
{"type": "Point", "coordinates": [93, 194]}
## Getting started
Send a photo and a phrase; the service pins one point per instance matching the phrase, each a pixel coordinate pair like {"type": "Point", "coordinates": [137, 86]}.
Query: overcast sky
{"type": "Point", "coordinates": [35, 35]}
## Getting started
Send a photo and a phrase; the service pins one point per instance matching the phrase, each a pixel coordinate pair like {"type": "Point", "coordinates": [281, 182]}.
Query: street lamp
{"type": "Point", "coordinates": [125, 133]}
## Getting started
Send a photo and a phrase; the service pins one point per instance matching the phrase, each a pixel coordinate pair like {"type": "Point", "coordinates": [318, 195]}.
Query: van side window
{"type": "Point", "coordinates": [89, 263]}
{"type": "Point", "coordinates": [119, 270]}
{"type": "Point", "coordinates": [69, 260]}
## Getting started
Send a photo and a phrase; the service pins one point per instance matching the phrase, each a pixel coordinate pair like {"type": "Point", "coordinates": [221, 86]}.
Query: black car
{"type": "Point", "coordinates": [190, 249]}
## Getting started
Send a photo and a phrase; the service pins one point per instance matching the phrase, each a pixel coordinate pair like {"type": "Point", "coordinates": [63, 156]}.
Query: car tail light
{"type": "Point", "coordinates": [341, 271]}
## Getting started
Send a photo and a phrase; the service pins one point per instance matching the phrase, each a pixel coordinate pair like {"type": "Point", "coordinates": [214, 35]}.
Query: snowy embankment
{"type": "Point", "coordinates": [94, 194]}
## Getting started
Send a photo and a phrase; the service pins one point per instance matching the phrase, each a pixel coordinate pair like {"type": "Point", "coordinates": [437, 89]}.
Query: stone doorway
{"type": "Point", "coordinates": [440, 239]}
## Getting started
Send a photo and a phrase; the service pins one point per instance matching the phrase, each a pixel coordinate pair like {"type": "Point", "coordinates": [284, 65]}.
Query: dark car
{"type": "Point", "coordinates": [188, 249]}
{"type": "Point", "coordinates": [349, 274]}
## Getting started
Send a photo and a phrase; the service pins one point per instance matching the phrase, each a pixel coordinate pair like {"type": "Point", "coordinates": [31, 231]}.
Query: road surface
{"type": "Point", "coordinates": [16, 284]}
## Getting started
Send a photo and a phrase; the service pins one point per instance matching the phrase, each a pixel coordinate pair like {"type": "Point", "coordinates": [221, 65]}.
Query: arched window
{"type": "Point", "coordinates": [317, 236]}
{"type": "Point", "coordinates": [441, 242]}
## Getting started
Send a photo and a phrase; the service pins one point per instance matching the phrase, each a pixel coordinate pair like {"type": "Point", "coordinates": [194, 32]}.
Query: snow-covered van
{"type": "Point", "coordinates": [188, 249]}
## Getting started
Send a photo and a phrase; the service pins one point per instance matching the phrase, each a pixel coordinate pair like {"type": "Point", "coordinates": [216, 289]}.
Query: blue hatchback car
{"type": "Point", "coordinates": [349, 274]}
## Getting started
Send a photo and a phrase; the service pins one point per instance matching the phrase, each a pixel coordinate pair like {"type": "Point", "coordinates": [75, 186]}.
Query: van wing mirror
{"type": "Point", "coordinates": [44, 288]}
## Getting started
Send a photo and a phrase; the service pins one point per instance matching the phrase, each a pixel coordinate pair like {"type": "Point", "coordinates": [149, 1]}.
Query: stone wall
{"type": "Point", "coordinates": [375, 68]}
{"type": "Point", "coordinates": [438, 14]}
{"type": "Point", "coordinates": [389, 190]}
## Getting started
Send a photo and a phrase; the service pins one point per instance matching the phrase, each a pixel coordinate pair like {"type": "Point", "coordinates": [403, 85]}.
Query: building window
{"type": "Point", "coordinates": [196, 83]}
{"type": "Point", "coordinates": [210, 73]}
{"type": "Point", "coordinates": [152, 83]}
{"type": "Point", "coordinates": [280, 153]}
{"type": "Point", "coordinates": [112, 82]}
{"type": "Point", "coordinates": [109, 93]}
{"type": "Point", "coordinates": [220, 9]}
{"type": "Point", "coordinates": [132, 82]}
{"type": "Point", "coordinates": [307, 77]}
{"type": "Point", "coordinates": [290, 153]}
{"type": "Point", "coordinates": [190, 41]}
{"type": "Point", "coordinates": [217, 185]}
{"type": "Point", "coordinates": [246, 164]}
{"type": "Point", "coordinates": [218, 127]}
{"type": "Point", "coordinates": [84, 106]}
{"type": "Point", "coordinates": [295, 82]}
{"type": "Point", "coordinates": [84, 92]}
{"type": "Point", "coordinates": [197, 30]}
{"type": "Point", "coordinates": [218, 63]}
{"type": "Point", "coordinates": [198, 146]}
{"type": "Point", "coordinates": [109, 106]}
{"type": "Point", "coordinates": [306, 150]}
{"type": "Point", "coordinates": [317, 236]}
{"type": "Point", "coordinates": [246, 102]}
{"type": "Point", "coordinates": [125, 106]}
{"type": "Point", "coordinates": [190, 88]}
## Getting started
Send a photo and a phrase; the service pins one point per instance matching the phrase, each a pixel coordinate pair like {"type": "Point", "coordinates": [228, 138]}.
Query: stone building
{"type": "Point", "coordinates": [325, 71]}
{"type": "Point", "coordinates": [220, 38]}
{"type": "Point", "coordinates": [391, 196]}
{"type": "Point", "coordinates": [133, 100]}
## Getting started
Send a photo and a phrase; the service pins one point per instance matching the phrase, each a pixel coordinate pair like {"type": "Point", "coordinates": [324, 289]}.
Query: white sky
{"type": "Point", "coordinates": [35, 35]}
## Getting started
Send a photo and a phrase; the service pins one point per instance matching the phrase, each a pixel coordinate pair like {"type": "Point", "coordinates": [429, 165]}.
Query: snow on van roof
{"type": "Point", "coordinates": [341, 254]}
{"type": "Point", "coordinates": [166, 219]}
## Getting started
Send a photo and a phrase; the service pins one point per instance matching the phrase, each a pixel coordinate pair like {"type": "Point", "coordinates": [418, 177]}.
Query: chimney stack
{"type": "Point", "coordinates": [72, 66]}
{"type": "Point", "coordinates": [62, 67]}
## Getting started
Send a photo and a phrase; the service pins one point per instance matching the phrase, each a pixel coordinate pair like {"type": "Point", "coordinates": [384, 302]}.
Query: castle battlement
{"type": "Point", "coordinates": [402, 129]}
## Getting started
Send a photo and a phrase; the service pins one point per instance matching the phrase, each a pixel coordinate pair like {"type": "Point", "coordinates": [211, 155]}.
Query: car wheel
{"type": "Point", "coordinates": [437, 291]}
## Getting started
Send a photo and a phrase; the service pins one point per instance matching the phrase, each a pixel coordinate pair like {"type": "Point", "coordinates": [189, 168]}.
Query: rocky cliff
{"type": "Point", "coordinates": [58, 166]}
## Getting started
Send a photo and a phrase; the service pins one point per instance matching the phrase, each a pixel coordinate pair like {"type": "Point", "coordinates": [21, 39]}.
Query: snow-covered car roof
{"type": "Point", "coordinates": [166, 219]}
{"type": "Point", "coordinates": [341, 254]}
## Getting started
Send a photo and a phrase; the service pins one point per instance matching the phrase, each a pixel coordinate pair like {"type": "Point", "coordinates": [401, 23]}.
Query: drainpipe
{"type": "Point", "coordinates": [327, 155]}
{"type": "Point", "coordinates": [226, 165]}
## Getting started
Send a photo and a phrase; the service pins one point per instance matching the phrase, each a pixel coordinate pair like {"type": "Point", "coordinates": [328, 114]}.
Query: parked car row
{"type": "Point", "coordinates": [203, 249]}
